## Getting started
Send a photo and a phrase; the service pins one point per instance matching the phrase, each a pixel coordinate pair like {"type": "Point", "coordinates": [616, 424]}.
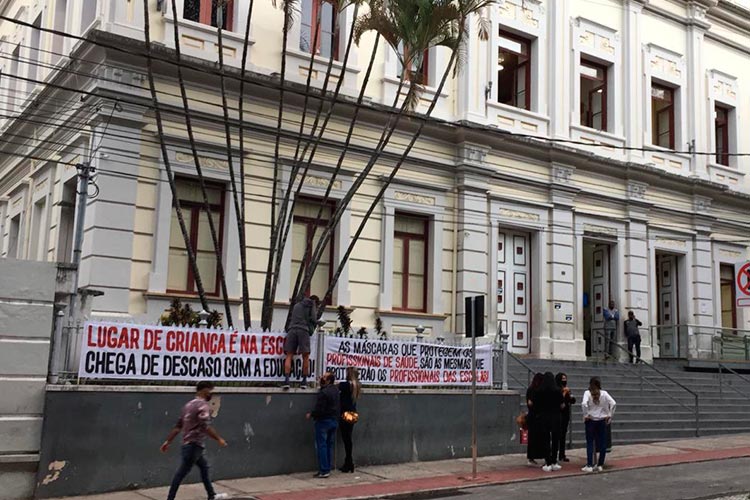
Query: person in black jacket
{"type": "Point", "coordinates": [326, 415]}
{"type": "Point", "coordinates": [535, 448]}
{"type": "Point", "coordinates": [350, 390]}
{"type": "Point", "coordinates": [548, 403]}
{"type": "Point", "coordinates": [562, 383]}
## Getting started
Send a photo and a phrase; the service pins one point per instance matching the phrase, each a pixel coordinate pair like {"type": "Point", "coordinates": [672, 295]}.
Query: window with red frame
{"type": "Point", "coordinates": [593, 95]}
{"type": "Point", "coordinates": [327, 42]}
{"type": "Point", "coordinates": [514, 71]}
{"type": "Point", "coordinates": [306, 226]}
{"type": "Point", "coordinates": [410, 261]}
{"type": "Point", "coordinates": [662, 116]}
{"type": "Point", "coordinates": [180, 277]}
{"type": "Point", "coordinates": [721, 130]}
{"type": "Point", "coordinates": [424, 69]}
{"type": "Point", "coordinates": [204, 12]}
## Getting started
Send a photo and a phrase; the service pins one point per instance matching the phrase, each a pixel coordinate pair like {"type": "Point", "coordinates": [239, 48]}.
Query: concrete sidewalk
{"type": "Point", "coordinates": [400, 479]}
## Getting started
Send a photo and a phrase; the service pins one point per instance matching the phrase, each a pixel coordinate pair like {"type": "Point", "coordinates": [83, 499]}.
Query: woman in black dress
{"type": "Point", "coordinates": [535, 448]}
{"type": "Point", "coordinates": [562, 383]}
{"type": "Point", "coordinates": [548, 403]}
{"type": "Point", "coordinates": [350, 392]}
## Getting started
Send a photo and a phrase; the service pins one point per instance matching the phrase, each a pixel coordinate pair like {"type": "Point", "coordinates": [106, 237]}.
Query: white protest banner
{"type": "Point", "coordinates": [145, 352]}
{"type": "Point", "coordinates": [402, 363]}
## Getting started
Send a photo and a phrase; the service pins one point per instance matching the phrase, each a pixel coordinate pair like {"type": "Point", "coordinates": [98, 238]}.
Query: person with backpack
{"type": "Point", "coordinates": [598, 409]}
{"type": "Point", "coordinates": [548, 403]}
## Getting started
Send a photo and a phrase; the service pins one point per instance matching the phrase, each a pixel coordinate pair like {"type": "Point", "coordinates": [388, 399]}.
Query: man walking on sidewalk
{"type": "Point", "coordinates": [326, 415]}
{"type": "Point", "coordinates": [195, 424]}
{"type": "Point", "coordinates": [302, 324]}
{"type": "Point", "coordinates": [611, 318]}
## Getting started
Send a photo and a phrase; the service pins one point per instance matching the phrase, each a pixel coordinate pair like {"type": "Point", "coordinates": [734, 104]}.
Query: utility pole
{"type": "Point", "coordinates": [84, 176]}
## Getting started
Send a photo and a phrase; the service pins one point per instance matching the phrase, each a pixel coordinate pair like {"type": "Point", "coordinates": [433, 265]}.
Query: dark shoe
{"type": "Point", "coordinates": [564, 459]}
{"type": "Point", "coordinates": [347, 468]}
{"type": "Point", "coordinates": [285, 385]}
{"type": "Point", "coordinates": [303, 385]}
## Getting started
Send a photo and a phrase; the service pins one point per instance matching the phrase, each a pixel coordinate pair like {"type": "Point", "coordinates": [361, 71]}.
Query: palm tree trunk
{"type": "Point", "coordinates": [247, 319]}
{"type": "Point", "coordinates": [288, 222]}
{"type": "Point", "coordinates": [388, 181]}
{"type": "Point", "coordinates": [341, 208]}
{"type": "Point", "coordinates": [286, 213]}
{"type": "Point", "coordinates": [199, 170]}
{"type": "Point", "coordinates": [268, 298]}
{"type": "Point", "coordinates": [228, 131]}
{"type": "Point", "coordinates": [165, 157]}
{"type": "Point", "coordinates": [339, 163]}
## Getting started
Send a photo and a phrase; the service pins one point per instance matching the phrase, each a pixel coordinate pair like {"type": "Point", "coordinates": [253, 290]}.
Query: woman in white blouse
{"type": "Point", "coordinates": [598, 408]}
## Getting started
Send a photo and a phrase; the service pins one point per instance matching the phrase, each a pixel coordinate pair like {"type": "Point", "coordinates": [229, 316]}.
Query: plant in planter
{"type": "Point", "coordinates": [344, 320]}
{"type": "Point", "coordinates": [184, 315]}
{"type": "Point", "coordinates": [362, 332]}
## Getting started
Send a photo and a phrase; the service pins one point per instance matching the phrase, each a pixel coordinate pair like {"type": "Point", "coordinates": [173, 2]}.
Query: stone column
{"type": "Point", "coordinates": [562, 338]}
{"type": "Point", "coordinates": [638, 263]}
{"type": "Point", "coordinates": [473, 228]}
{"type": "Point", "coordinates": [560, 93]}
{"type": "Point", "coordinates": [699, 117]}
{"type": "Point", "coordinates": [703, 280]}
{"type": "Point", "coordinates": [632, 78]}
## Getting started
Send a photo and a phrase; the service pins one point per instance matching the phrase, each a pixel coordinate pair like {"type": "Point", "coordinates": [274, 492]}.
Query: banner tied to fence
{"type": "Point", "coordinates": [143, 352]}
{"type": "Point", "coordinates": [402, 363]}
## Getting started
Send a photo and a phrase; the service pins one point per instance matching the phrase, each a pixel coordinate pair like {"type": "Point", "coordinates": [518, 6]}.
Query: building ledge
{"type": "Point", "coordinates": [187, 296]}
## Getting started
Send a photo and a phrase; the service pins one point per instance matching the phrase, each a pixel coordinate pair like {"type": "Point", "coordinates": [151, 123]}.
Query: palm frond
{"type": "Point", "coordinates": [290, 8]}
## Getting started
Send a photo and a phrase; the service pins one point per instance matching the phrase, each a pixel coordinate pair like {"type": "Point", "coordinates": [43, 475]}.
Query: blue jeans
{"type": "Point", "coordinates": [192, 454]}
{"type": "Point", "coordinates": [596, 431]}
{"type": "Point", "coordinates": [325, 440]}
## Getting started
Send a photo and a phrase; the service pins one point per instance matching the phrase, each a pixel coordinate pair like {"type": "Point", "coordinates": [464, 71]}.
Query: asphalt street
{"type": "Point", "coordinates": [716, 479]}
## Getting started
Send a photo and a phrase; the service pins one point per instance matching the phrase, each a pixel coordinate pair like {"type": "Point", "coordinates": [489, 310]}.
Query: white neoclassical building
{"type": "Point", "coordinates": [641, 197]}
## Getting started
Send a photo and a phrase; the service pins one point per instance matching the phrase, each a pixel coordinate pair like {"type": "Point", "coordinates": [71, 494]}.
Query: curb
{"type": "Point", "coordinates": [688, 457]}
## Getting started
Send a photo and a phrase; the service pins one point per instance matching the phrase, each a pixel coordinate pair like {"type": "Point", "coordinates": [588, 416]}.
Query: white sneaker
{"type": "Point", "coordinates": [588, 468]}
{"type": "Point", "coordinates": [532, 463]}
{"type": "Point", "coordinates": [547, 468]}
{"type": "Point", "coordinates": [221, 496]}
{"type": "Point", "coordinates": [556, 467]}
{"type": "Point", "coordinates": [598, 468]}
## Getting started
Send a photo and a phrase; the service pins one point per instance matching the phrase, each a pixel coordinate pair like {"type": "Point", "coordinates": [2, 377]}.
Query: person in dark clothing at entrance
{"type": "Point", "coordinates": [548, 404]}
{"type": "Point", "coordinates": [350, 391]}
{"type": "Point", "coordinates": [535, 448]}
{"type": "Point", "coordinates": [633, 336]}
{"type": "Point", "coordinates": [562, 383]}
{"type": "Point", "coordinates": [326, 415]}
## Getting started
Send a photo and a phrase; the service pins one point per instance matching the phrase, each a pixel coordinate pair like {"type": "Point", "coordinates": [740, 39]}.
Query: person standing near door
{"type": "Point", "coordinates": [633, 336]}
{"type": "Point", "coordinates": [611, 318]}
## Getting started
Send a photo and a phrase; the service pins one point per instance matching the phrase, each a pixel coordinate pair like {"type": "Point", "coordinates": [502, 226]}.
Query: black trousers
{"type": "Point", "coordinates": [564, 423]}
{"type": "Point", "coordinates": [550, 427]}
{"type": "Point", "coordinates": [192, 454]}
{"type": "Point", "coordinates": [346, 436]}
{"type": "Point", "coordinates": [634, 342]}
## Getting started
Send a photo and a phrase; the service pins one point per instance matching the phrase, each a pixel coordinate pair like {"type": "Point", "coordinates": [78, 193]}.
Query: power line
{"type": "Point", "coordinates": [348, 103]}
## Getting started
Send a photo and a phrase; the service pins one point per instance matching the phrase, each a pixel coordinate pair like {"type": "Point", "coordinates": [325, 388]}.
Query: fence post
{"type": "Point", "coordinates": [54, 355]}
{"type": "Point", "coordinates": [504, 343]}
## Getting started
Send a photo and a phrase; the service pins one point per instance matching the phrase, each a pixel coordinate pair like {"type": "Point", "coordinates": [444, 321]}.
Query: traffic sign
{"type": "Point", "coordinates": [742, 282]}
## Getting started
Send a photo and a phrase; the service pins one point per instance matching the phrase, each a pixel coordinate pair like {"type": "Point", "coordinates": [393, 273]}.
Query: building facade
{"type": "Point", "coordinates": [588, 151]}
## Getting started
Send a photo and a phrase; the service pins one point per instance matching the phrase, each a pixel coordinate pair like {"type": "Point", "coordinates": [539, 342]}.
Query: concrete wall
{"type": "Point", "coordinates": [100, 439]}
{"type": "Point", "coordinates": [26, 314]}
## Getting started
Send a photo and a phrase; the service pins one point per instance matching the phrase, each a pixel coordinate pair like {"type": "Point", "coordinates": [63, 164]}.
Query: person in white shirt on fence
{"type": "Point", "coordinates": [598, 409]}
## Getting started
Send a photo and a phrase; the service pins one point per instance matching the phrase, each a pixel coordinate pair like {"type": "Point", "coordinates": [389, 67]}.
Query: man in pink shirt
{"type": "Point", "coordinates": [195, 424]}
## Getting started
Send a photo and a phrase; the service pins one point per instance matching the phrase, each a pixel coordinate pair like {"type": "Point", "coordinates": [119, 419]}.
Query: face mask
{"type": "Point", "coordinates": [208, 398]}
{"type": "Point", "coordinates": [564, 383]}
